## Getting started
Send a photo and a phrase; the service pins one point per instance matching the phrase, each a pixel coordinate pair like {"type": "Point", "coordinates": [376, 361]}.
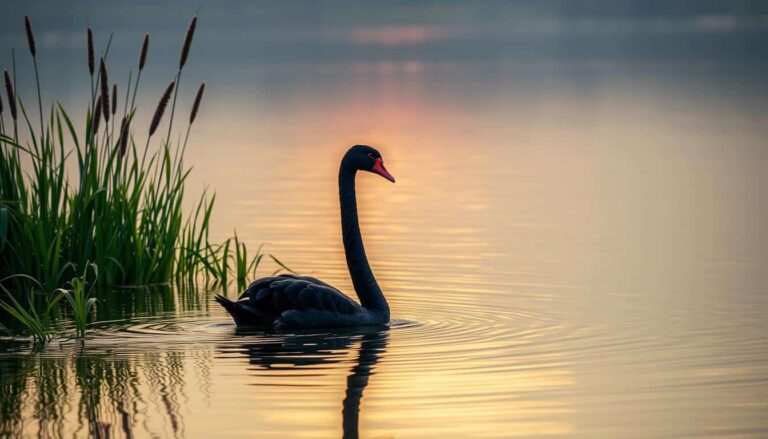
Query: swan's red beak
{"type": "Point", "coordinates": [379, 168]}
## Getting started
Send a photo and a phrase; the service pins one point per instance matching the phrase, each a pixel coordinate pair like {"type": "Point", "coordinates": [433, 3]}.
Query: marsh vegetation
{"type": "Point", "coordinates": [107, 196]}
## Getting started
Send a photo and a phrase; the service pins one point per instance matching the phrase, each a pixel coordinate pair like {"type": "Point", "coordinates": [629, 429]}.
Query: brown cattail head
{"type": "Point", "coordinates": [91, 65]}
{"type": "Point", "coordinates": [30, 36]}
{"type": "Point", "coordinates": [161, 108]}
{"type": "Point", "coordinates": [96, 116]}
{"type": "Point", "coordinates": [196, 105]}
{"type": "Point", "coordinates": [143, 55]}
{"type": "Point", "coordinates": [105, 108]}
{"type": "Point", "coordinates": [187, 42]}
{"type": "Point", "coordinates": [122, 141]}
{"type": "Point", "coordinates": [104, 90]}
{"type": "Point", "coordinates": [1, 105]}
{"type": "Point", "coordinates": [114, 99]}
{"type": "Point", "coordinates": [11, 95]}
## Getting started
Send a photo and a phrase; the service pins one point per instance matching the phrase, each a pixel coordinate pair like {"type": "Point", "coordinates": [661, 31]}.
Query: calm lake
{"type": "Point", "coordinates": [575, 246]}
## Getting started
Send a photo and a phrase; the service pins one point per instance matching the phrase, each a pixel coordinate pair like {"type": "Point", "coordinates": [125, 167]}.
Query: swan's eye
{"type": "Point", "coordinates": [370, 154]}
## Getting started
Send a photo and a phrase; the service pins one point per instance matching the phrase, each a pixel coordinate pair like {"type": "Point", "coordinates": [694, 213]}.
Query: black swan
{"type": "Point", "coordinates": [290, 301]}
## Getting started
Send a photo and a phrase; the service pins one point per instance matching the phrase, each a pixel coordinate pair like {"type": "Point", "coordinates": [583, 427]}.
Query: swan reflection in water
{"type": "Point", "coordinates": [314, 349]}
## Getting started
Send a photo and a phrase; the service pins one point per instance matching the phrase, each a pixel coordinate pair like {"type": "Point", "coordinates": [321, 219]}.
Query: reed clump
{"type": "Point", "coordinates": [79, 298]}
{"type": "Point", "coordinates": [121, 210]}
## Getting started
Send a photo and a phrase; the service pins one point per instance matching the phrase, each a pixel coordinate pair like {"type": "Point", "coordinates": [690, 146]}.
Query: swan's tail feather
{"type": "Point", "coordinates": [226, 303]}
{"type": "Point", "coordinates": [243, 314]}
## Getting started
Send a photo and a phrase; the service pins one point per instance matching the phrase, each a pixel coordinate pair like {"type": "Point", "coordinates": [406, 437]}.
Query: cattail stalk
{"type": "Point", "coordinates": [182, 61]}
{"type": "Point", "coordinates": [33, 51]}
{"type": "Point", "coordinates": [142, 62]}
{"type": "Point", "coordinates": [193, 115]}
{"type": "Point", "coordinates": [127, 93]}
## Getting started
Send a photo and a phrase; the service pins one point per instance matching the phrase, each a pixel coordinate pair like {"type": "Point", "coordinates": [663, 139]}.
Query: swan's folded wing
{"type": "Point", "coordinates": [258, 285]}
{"type": "Point", "coordinates": [310, 279]}
{"type": "Point", "coordinates": [298, 294]}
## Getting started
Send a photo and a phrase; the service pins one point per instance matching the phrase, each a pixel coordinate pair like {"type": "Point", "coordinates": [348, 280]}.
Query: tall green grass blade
{"type": "Point", "coordinates": [282, 266]}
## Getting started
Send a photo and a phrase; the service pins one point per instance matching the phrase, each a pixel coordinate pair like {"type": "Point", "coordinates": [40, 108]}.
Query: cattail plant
{"type": "Point", "coordinates": [105, 112]}
{"type": "Point", "coordinates": [142, 62]}
{"type": "Point", "coordinates": [96, 116]}
{"type": "Point", "coordinates": [192, 117]}
{"type": "Point", "coordinates": [104, 90]}
{"type": "Point", "coordinates": [125, 133]}
{"type": "Point", "coordinates": [30, 36]}
{"type": "Point", "coordinates": [91, 61]}
{"type": "Point", "coordinates": [187, 42]}
{"type": "Point", "coordinates": [157, 117]}
{"type": "Point", "coordinates": [196, 105]}
{"type": "Point", "coordinates": [9, 92]}
{"type": "Point", "coordinates": [114, 106]}
{"type": "Point", "coordinates": [33, 51]}
{"type": "Point", "coordinates": [11, 95]}
{"type": "Point", "coordinates": [193, 113]}
{"type": "Point", "coordinates": [160, 110]}
{"type": "Point", "coordinates": [114, 99]}
{"type": "Point", "coordinates": [11, 103]}
{"type": "Point", "coordinates": [182, 61]}
{"type": "Point", "coordinates": [143, 54]}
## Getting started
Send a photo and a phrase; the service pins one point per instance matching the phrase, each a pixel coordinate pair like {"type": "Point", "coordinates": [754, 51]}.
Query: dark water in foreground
{"type": "Point", "coordinates": [575, 246]}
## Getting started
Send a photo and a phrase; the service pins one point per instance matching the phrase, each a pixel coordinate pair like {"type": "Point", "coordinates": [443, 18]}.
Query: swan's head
{"type": "Point", "coordinates": [365, 158]}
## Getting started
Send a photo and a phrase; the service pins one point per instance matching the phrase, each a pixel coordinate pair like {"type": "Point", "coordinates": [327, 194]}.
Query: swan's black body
{"type": "Point", "coordinates": [290, 301]}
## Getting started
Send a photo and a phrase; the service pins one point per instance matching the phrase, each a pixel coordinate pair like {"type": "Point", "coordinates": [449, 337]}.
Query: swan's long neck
{"type": "Point", "coordinates": [366, 287]}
